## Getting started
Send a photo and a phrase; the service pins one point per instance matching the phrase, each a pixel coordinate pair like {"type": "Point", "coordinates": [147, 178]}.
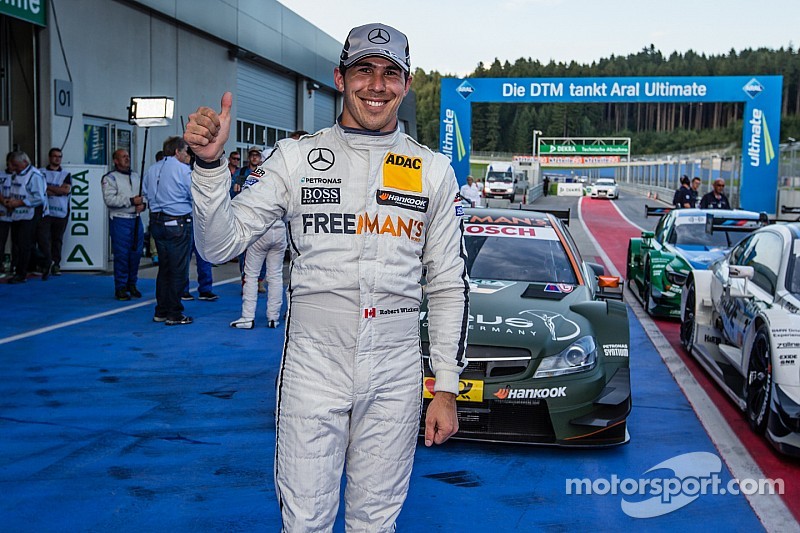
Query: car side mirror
{"type": "Point", "coordinates": [647, 237]}
{"type": "Point", "coordinates": [741, 272]}
{"type": "Point", "coordinates": [609, 288]}
{"type": "Point", "coordinates": [739, 290]}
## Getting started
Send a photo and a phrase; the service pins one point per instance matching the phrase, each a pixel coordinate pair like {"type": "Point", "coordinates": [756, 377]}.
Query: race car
{"type": "Point", "coordinates": [604, 188]}
{"type": "Point", "coordinates": [659, 261]}
{"type": "Point", "coordinates": [548, 339]}
{"type": "Point", "coordinates": [740, 321]}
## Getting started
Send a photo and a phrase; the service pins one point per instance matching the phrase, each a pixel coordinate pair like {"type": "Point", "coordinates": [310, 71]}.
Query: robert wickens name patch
{"type": "Point", "coordinates": [320, 195]}
{"type": "Point", "coordinates": [404, 201]}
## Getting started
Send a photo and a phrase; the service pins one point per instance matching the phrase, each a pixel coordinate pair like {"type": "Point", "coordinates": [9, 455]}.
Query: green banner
{"type": "Point", "coordinates": [33, 11]}
{"type": "Point", "coordinates": [588, 149]}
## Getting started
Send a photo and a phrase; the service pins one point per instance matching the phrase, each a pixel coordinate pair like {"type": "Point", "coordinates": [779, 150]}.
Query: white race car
{"type": "Point", "coordinates": [740, 321]}
{"type": "Point", "coordinates": [604, 188]}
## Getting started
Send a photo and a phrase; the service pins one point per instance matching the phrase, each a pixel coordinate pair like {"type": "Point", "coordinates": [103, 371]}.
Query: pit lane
{"type": "Point", "coordinates": [112, 422]}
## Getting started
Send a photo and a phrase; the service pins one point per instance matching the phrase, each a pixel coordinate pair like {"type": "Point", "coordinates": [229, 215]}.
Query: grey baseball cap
{"type": "Point", "coordinates": [376, 40]}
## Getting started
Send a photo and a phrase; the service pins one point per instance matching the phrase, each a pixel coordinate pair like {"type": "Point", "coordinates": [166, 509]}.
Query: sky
{"type": "Point", "coordinates": [453, 36]}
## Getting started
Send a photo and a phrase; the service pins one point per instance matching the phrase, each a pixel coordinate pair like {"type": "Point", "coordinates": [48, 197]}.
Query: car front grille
{"type": "Point", "coordinates": [500, 420]}
{"type": "Point", "coordinates": [488, 361]}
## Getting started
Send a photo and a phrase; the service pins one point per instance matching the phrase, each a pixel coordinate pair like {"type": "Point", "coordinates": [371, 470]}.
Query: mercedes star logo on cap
{"type": "Point", "coordinates": [378, 36]}
{"type": "Point", "coordinates": [321, 159]}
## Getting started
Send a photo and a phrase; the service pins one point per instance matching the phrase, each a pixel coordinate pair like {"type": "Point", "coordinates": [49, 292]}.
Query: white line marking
{"type": "Point", "coordinates": [629, 221]}
{"type": "Point", "coordinates": [770, 509]}
{"type": "Point", "coordinates": [95, 316]}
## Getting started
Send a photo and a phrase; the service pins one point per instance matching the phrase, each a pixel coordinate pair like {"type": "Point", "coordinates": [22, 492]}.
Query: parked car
{"type": "Point", "coordinates": [740, 321]}
{"type": "Point", "coordinates": [604, 188]}
{"type": "Point", "coordinates": [548, 337]}
{"type": "Point", "coordinates": [500, 181]}
{"type": "Point", "coordinates": [659, 262]}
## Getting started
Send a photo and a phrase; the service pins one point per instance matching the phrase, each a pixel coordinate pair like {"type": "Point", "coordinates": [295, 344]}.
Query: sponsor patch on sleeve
{"type": "Point", "coordinates": [459, 211]}
{"type": "Point", "coordinates": [402, 172]}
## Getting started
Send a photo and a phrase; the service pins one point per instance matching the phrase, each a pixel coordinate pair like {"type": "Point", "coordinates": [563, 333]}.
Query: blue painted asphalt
{"type": "Point", "coordinates": [119, 423]}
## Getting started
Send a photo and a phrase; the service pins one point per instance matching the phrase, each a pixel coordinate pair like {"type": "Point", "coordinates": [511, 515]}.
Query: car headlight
{"type": "Point", "coordinates": [676, 277]}
{"type": "Point", "coordinates": [579, 356]}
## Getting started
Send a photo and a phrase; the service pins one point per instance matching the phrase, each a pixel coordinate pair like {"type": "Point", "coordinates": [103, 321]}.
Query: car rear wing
{"type": "Point", "coordinates": [656, 211]}
{"type": "Point", "coordinates": [561, 214]}
{"type": "Point", "coordinates": [714, 223]}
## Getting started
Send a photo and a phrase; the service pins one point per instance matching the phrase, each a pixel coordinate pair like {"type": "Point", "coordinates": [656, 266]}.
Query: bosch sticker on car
{"type": "Point", "coordinates": [511, 231]}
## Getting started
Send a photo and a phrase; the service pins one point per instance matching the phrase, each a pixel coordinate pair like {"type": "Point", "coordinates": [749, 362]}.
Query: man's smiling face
{"type": "Point", "coordinates": [373, 90]}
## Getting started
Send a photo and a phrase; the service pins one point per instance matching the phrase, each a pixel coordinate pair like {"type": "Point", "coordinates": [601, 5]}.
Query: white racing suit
{"type": "Point", "coordinates": [270, 247]}
{"type": "Point", "coordinates": [365, 212]}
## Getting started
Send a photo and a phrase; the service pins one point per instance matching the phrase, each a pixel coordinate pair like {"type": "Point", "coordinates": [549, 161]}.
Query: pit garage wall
{"type": "Point", "coordinates": [119, 52]}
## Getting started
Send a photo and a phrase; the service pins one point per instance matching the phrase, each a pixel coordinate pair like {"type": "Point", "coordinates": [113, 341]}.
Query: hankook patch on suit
{"type": "Point", "coordinates": [404, 201]}
{"type": "Point", "coordinates": [321, 159]}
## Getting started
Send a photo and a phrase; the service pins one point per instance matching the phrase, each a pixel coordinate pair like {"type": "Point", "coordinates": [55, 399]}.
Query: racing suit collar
{"type": "Point", "coordinates": [356, 138]}
{"type": "Point", "coordinates": [359, 131]}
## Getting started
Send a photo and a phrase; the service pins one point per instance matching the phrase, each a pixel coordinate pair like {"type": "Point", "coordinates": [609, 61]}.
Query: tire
{"type": "Point", "coordinates": [759, 382]}
{"type": "Point", "coordinates": [647, 292]}
{"type": "Point", "coordinates": [628, 269]}
{"type": "Point", "coordinates": [687, 324]}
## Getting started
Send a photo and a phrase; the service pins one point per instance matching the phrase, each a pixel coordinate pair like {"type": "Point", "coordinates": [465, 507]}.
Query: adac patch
{"type": "Point", "coordinates": [402, 172]}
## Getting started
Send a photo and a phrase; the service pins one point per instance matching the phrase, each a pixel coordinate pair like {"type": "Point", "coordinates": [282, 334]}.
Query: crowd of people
{"type": "Point", "coordinates": [33, 211]}
{"type": "Point", "coordinates": [685, 196]}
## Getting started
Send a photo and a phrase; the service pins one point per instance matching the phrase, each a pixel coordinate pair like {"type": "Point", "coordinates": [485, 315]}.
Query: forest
{"type": "Point", "coordinates": [653, 128]}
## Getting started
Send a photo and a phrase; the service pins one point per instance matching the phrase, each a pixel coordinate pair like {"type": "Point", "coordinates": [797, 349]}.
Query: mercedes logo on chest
{"type": "Point", "coordinates": [321, 159]}
{"type": "Point", "coordinates": [378, 36]}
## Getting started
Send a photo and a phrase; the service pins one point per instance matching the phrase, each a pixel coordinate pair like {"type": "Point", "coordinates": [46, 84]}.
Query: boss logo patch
{"type": "Point", "coordinates": [404, 201]}
{"type": "Point", "coordinates": [320, 195]}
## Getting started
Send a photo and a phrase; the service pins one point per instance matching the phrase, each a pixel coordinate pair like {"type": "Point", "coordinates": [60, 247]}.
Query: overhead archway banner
{"type": "Point", "coordinates": [761, 96]}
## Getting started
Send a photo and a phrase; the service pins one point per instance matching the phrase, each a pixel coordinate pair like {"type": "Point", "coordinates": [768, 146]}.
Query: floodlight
{"type": "Point", "coordinates": [147, 111]}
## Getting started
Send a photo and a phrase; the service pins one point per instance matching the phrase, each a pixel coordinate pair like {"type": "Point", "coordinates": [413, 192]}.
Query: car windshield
{"type": "Point", "coordinates": [695, 235]}
{"type": "Point", "coordinates": [504, 177]}
{"type": "Point", "coordinates": [605, 182]}
{"type": "Point", "coordinates": [518, 259]}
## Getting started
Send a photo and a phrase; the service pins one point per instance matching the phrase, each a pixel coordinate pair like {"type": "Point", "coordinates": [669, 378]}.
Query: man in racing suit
{"type": "Point", "coordinates": [366, 207]}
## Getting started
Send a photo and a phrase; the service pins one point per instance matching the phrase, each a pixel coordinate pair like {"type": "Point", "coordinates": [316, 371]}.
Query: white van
{"type": "Point", "coordinates": [499, 182]}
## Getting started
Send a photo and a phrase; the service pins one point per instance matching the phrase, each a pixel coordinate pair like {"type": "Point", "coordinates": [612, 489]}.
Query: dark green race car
{"type": "Point", "coordinates": [660, 261]}
{"type": "Point", "coordinates": [548, 342]}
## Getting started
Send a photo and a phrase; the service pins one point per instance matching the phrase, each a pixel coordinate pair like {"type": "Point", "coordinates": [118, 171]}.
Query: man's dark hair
{"type": "Point", "coordinates": [174, 145]}
{"type": "Point", "coordinates": [159, 155]}
{"type": "Point", "coordinates": [685, 180]}
{"type": "Point", "coordinates": [53, 150]}
{"type": "Point", "coordinates": [297, 134]}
